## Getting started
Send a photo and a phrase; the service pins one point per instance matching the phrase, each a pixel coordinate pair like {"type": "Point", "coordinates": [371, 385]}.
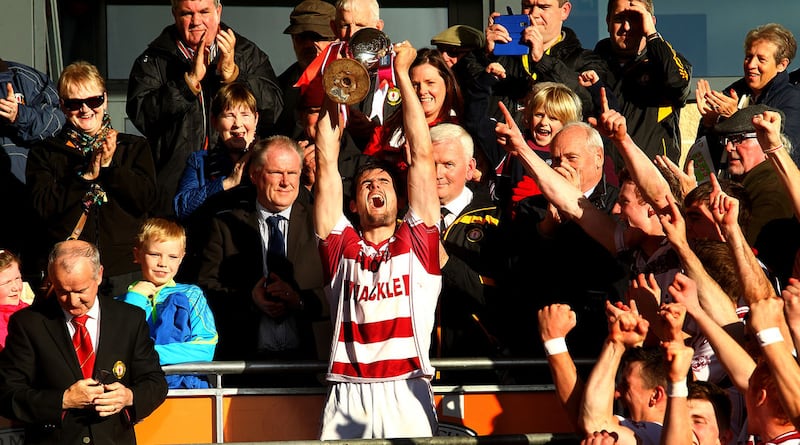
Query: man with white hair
{"type": "Point", "coordinates": [354, 15]}
{"type": "Point", "coordinates": [469, 229]}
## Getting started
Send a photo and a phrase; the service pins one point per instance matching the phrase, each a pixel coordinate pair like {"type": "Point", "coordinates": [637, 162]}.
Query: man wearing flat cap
{"type": "Point", "coordinates": [457, 41]}
{"type": "Point", "coordinates": [747, 163]}
{"type": "Point", "coordinates": [310, 29]}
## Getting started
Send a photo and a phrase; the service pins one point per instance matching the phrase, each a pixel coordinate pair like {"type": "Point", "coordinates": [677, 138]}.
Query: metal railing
{"type": "Point", "coordinates": [215, 371]}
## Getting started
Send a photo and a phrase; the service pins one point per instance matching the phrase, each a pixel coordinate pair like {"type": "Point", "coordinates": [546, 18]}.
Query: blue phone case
{"type": "Point", "coordinates": [515, 24]}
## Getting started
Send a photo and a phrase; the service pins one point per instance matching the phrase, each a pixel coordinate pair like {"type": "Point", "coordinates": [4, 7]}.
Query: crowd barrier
{"type": "Point", "coordinates": [475, 414]}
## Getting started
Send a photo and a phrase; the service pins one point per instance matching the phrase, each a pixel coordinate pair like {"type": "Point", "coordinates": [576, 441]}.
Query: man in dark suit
{"type": "Point", "coordinates": [42, 382]}
{"type": "Point", "coordinates": [261, 269]}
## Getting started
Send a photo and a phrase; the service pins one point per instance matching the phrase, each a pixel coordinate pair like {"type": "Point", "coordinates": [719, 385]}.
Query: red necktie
{"type": "Point", "coordinates": [83, 345]}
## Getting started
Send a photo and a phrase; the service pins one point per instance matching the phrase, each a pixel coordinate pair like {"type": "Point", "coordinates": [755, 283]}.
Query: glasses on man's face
{"type": "Point", "coordinates": [452, 51]}
{"type": "Point", "coordinates": [736, 139]}
{"type": "Point", "coordinates": [91, 102]}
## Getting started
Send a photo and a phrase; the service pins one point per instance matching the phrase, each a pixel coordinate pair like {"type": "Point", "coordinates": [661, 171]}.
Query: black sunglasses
{"type": "Point", "coordinates": [736, 139]}
{"type": "Point", "coordinates": [452, 51]}
{"type": "Point", "coordinates": [91, 102]}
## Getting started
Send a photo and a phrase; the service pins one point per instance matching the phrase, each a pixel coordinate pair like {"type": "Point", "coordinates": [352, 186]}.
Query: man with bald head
{"type": "Point", "coordinates": [546, 253]}
{"type": "Point", "coordinates": [78, 369]}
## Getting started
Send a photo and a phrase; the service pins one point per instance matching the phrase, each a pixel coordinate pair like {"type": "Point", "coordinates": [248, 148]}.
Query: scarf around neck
{"type": "Point", "coordinates": [84, 143]}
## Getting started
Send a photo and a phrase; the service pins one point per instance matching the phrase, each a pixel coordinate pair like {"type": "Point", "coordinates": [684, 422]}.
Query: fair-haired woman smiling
{"type": "Point", "coordinates": [91, 182]}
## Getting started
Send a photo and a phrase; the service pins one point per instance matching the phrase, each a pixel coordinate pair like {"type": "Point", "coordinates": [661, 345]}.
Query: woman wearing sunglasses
{"type": "Point", "coordinates": [91, 182]}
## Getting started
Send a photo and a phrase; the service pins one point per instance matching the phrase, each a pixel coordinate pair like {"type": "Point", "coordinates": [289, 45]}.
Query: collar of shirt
{"type": "Point", "coordinates": [92, 323]}
{"type": "Point", "coordinates": [457, 205]}
{"type": "Point", "coordinates": [588, 193]}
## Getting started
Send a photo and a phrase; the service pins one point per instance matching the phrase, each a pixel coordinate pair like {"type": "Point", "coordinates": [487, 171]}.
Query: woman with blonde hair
{"type": "Point", "coordinates": [91, 182]}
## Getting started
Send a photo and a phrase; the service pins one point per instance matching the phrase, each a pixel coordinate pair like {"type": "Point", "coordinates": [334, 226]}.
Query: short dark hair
{"type": "Point", "coordinates": [233, 95]}
{"type": "Point", "coordinates": [719, 399]}
{"type": "Point", "coordinates": [654, 367]}
{"type": "Point", "coordinates": [731, 188]}
{"type": "Point", "coordinates": [648, 4]}
{"type": "Point", "coordinates": [374, 164]}
{"type": "Point", "coordinates": [718, 261]}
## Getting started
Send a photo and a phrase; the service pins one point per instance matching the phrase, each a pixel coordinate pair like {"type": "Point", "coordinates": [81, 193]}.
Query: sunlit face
{"type": "Point", "coordinates": [160, 260]}
{"type": "Point", "coordinates": [307, 46]}
{"type": "Point", "coordinates": [453, 169]}
{"type": "Point", "coordinates": [570, 148]}
{"type": "Point", "coordinates": [632, 210]}
{"type": "Point", "coordinates": [76, 289]}
{"type": "Point", "coordinates": [544, 127]}
{"type": "Point", "coordinates": [375, 199]}
{"type": "Point", "coordinates": [237, 127]}
{"type": "Point", "coordinates": [431, 90]}
{"type": "Point", "coordinates": [278, 181]}
{"type": "Point", "coordinates": [547, 16]}
{"type": "Point", "coordinates": [743, 155]}
{"type": "Point", "coordinates": [625, 29]}
{"type": "Point", "coordinates": [761, 66]}
{"type": "Point", "coordinates": [700, 223]}
{"type": "Point", "coordinates": [704, 422]}
{"type": "Point", "coordinates": [193, 18]}
{"type": "Point", "coordinates": [633, 393]}
{"type": "Point", "coordinates": [10, 284]}
{"type": "Point", "coordinates": [88, 120]}
{"type": "Point", "coordinates": [350, 21]}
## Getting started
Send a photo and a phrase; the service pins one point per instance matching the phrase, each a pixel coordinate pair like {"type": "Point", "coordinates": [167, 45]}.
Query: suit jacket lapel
{"type": "Point", "coordinates": [56, 327]}
{"type": "Point", "coordinates": [108, 336]}
{"type": "Point", "coordinates": [298, 231]}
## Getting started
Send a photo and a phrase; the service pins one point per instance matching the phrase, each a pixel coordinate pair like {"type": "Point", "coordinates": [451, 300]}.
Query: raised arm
{"type": "Point", "coordinates": [725, 210]}
{"type": "Point", "coordinates": [644, 172]}
{"type": "Point", "coordinates": [768, 129]}
{"type": "Point", "coordinates": [423, 198]}
{"type": "Point", "coordinates": [767, 322]}
{"type": "Point", "coordinates": [555, 322]}
{"type": "Point", "coordinates": [677, 420]}
{"type": "Point", "coordinates": [328, 193]}
{"type": "Point", "coordinates": [568, 199]}
{"type": "Point", "coordinates": [626, 329]}
{"type": "Point", "coordinates": [737, 363]}
{"type": "Point", "coordinates": [714, 301]}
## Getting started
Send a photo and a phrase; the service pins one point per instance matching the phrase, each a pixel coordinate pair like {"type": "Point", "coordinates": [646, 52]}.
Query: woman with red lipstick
{"type": "Point", "coordinates": [768, 51]}
{"type": "Point", "coordinates": [208, 172]}
{"type": "Point", "coordinates": [91, 182]}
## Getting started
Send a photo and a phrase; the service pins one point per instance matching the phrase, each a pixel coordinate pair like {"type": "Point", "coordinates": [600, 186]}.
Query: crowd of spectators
{"type": "Point", "coordinates": [467, 204]}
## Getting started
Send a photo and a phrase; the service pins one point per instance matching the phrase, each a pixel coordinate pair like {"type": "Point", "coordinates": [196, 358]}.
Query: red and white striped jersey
{"type": "Point", "coordinates": [383, 300]}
